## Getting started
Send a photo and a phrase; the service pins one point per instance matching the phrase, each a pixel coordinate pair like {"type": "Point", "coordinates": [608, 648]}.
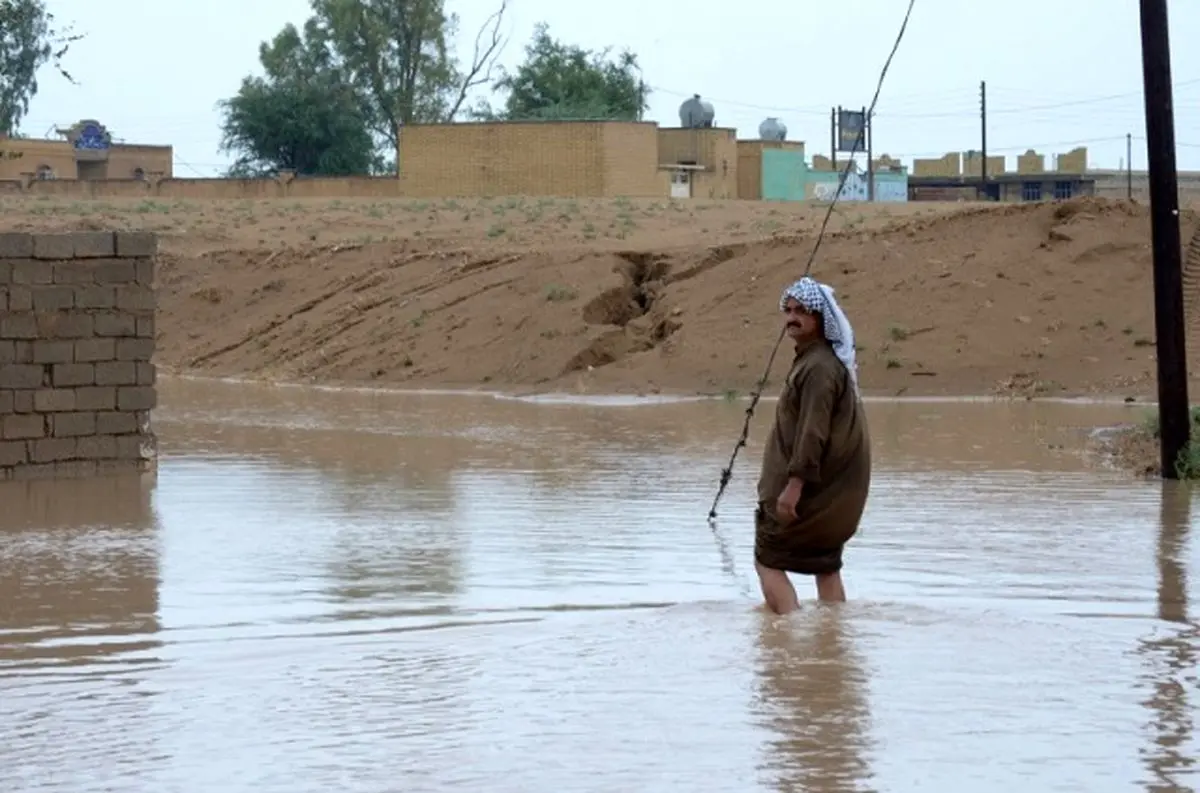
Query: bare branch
{"type": "Point", "coordinates": [484, 57]}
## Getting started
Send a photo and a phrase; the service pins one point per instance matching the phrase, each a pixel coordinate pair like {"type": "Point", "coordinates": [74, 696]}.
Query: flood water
{"type": "Point", "coordinates": [356, 591]}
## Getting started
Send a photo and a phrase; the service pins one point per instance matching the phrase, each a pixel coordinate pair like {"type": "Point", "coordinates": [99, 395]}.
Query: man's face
{"type": "Point", "coordinates": [801, 324]}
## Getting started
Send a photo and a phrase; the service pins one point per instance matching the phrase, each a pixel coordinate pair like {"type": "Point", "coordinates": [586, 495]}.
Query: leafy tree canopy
{"type": "Point", "coordinates": [389, 59]}
{"type": "Point", "coordinates": [29, 38]}
{"type": "Point", "coordinates": [561, 81]}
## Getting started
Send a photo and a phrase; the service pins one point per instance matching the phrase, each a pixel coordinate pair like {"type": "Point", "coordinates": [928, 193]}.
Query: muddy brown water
{"type": "Point", "coordinates": [362, 591]}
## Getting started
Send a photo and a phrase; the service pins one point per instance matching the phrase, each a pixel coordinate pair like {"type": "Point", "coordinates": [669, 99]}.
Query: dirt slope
{"type": "Point", "coordinates": [1025, 299]}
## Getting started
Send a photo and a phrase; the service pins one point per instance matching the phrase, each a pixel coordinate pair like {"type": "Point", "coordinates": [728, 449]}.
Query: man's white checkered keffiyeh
{"type": "Point", "coordinates": [818, 298]}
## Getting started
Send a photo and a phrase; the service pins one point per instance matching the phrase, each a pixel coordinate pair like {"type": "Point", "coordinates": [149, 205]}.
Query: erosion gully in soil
{"type": "Point", "coordinates": [643, 296]}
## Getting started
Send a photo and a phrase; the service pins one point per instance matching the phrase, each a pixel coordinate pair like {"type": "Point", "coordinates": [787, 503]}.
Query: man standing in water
{"type": "Point", "coordinates": [816, 467]}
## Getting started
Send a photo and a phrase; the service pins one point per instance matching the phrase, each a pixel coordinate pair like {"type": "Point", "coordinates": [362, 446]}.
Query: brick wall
{"type": "Point", "coordinates": [76, 343]}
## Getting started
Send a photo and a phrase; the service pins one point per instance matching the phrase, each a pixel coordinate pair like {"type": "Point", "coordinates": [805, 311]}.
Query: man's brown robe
{"type": "Point", "coordinates": [819, 435]}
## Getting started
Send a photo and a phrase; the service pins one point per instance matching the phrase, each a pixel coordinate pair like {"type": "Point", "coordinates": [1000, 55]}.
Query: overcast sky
{"type": "Point", "coordinates": [1060, 73]}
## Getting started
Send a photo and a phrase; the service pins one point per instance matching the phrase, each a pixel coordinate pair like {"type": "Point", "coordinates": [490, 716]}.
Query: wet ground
{"type": "Point", "coordinates": [380, 592]}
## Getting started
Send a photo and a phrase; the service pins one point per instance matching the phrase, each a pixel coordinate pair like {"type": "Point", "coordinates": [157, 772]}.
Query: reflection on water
{"type": "Point", "coordinates": [1172, 654]}
{"type": "Point", "coordinates": [372, 592]}
{"type": "Point", "coordinates": [813, 691]}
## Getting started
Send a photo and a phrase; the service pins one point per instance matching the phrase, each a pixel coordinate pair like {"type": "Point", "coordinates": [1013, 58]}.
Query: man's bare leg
{"type": "Point", "coordinates": [830, 588]}
{"type": "Point", "coordinates": [777, 589]}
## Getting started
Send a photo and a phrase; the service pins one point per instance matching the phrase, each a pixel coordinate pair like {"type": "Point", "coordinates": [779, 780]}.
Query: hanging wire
{"type": "Point", "coordinates": [727, 472]}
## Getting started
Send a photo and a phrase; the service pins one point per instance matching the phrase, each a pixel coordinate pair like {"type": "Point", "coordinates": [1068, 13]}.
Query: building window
{"type": "Point", "coordinates": [1031, 191]}
{"type": "Point", "coordinates": [45, 173]}
{"type": "Point", "coordinates": [139, 174]}
{"type": "Point", "coordinates": [1063, 190]}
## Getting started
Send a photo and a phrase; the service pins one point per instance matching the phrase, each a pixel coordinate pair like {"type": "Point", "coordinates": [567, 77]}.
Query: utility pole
{"type": "Point", "coordinates": [1174, 421]}
{"type": "Point", "coordinates": [1129, 166]}
{"type": "Point", "coordinates": [870, 155]}
{"type": "Point", "coordinates": [833, 141]}
{"type": "Point", "coordinates": [983, 191]}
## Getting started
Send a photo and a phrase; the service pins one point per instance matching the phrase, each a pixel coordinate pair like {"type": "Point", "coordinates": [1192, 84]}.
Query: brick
{"type": "Point", "coordinates": [136, 398]}
{"type": "Point", "coordinates": [97, 447]}
{"type": "Point", "coordinates": [21, 427]}
{"type": "Point", "coordinates": [145, 271]}
{"type": "Point", "coordinates": [5, 271]}
{"type": "Point", "coordinates": [114, 323]}
{"type": "Point", "coordinates": [89, 350]}
{"type": "Point", "coordinates": [135, 297]}
{"type": "Point", "coordinates": [23, 400]}
{"type": "Point", "coordinates": [53, 246]}
{"type": "Point", "coordinates": [8, 352]}
{"type": "Point", "coordinates": [136, 447]}
{"type": "Point", "coordinates": [96, 398]}
{"type": "Point", "coordinates": [19, 325]}
{"type": "Point", "coordinates": [53, 351]}
{"type": "Point", "coordinates": [143, 421]}
{"type": "Point", "coordinates": [53, 298]}
{"type": "Point", "coordinates": [145, 327]}
{"type": "Point", "coordinates": [122, 467]}
{"type": "Point", "coordinates": [16, 246]}
{"type": "Point", "coordinates": [64, 325]}
{"type": "Point", "coordinates": [133, 244]}
{"type": "Point", "coordinates": [31, 471]}
{"type": "Point", "coordinates": [13, 453]}
{"type": "Point", "coordinates": [29, 271]}
{"type": "Point", "coordinates": [95, 244]}
{"type": "Point", "coordinates": [117, 424]}
{"type": "Point", "coordinates": [70, 375]}
{"type": "Point", "coordinates": [72, 425]}
{"type": "Point", "coordinates": [74, 272]}
{"type": "Point", "coordinates": [6, 402]}
{"type": "Point", "coordinates": [54, 400]}
{"type": "Point", "coordinates": [51, 450]}
{"type": "Point", "coordinates": [135, 349]}
{"type": "Point", "coordinates": [147, 373]}
{"type": "Point", "coordinates": [75, 469]}
{"type": "Point", "coordinates": [21, 375]}
{"type": "Point", "coordinates": [95, 296]}
{"type": "Point", "coordinates": [20, 298]}
{"type": "Point", "coordinates": [116, 373]}
{"type": "Point", "coordinates": [117, 271]}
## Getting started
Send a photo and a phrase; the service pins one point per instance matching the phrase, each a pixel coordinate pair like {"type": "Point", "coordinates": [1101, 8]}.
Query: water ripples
{"type": "Point", "coordinates": [377, 592]}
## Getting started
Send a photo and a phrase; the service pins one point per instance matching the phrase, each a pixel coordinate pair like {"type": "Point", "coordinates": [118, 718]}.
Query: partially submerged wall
{"type": "Point", "coordinates": [77, 384]}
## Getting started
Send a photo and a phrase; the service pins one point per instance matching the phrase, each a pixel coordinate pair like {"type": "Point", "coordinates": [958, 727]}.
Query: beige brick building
{"type": "Point", "coordinates": [86, 152]}
{"type": "Point", "coordinates": [560, 158]}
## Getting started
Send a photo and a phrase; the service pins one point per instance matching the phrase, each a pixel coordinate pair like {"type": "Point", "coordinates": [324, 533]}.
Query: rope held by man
{"type": "Point", "coordinates": [727, 472]}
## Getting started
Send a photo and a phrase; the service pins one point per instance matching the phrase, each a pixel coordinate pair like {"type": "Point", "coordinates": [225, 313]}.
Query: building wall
{"type": "Point", "coordinates": [77, 384]}
{"type": "Point", "coordinates": [528, 158]}
{"type": "Point", "coordinates": [967, 164]}
{"type": "Point", "coordinates": [631, 161]}
{"type": "Point", "coordinates": [889, 186]}
{"type": "Point", "coordinates": [784, 174]}
{"type": "Point", "coordinates": [59, 157]}
{"type": "Point", "coordinates": [716, 149]}
{"type": "Point", "coordinates": [750, 173]}
{"type": "Point", "coordinates": [749, 170]}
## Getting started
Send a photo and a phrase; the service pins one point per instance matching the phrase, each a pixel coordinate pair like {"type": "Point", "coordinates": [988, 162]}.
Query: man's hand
{"type": "Point", "coordinates": [785, 505]}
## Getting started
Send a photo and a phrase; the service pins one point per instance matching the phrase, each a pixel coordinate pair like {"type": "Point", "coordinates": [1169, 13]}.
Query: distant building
{"type": "Point", "coordinates": [86, 152]}
{"type": "Point", "coordinates": [958, 177]}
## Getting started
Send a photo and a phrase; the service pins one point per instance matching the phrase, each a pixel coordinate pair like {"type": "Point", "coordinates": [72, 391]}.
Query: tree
{"type": "Point", "coordinates": [560, 81]}
{"type": "Point", "coordinates": [395, 54]}
{"type": "Point", "coordinates": [29, 38]}
{"type": "Point", "coordinates": [390, 56]}
{"type": "Point", "coordinates": [301, 117]}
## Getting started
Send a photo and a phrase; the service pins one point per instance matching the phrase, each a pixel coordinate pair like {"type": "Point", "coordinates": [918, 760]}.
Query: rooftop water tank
{"type": "Point", "coordinates": [772, 129]}
{"type": "Point", "coordinates": [695, 113]}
